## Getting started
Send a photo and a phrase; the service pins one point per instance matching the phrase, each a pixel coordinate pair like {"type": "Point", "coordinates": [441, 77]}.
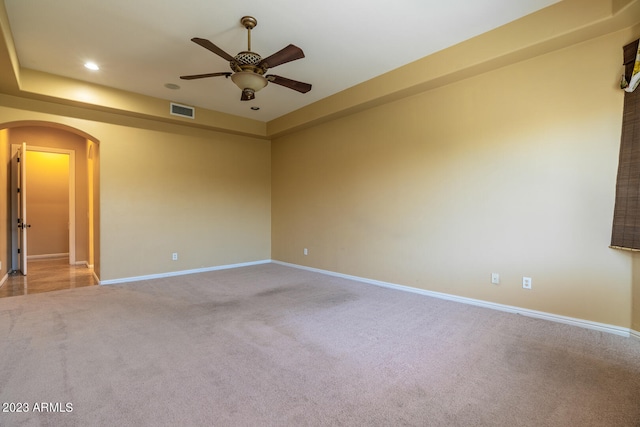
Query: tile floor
{"type": "Point", "coordinates": [45, 275]}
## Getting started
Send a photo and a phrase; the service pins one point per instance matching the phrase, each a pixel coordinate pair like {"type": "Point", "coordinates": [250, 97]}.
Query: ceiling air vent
{"type": "Point", "coordinates": [183, 111]}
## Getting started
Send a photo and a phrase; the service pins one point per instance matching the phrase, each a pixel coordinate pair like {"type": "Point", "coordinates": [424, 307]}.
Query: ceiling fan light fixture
{"type": "Point", "coordinates": [249, 80]}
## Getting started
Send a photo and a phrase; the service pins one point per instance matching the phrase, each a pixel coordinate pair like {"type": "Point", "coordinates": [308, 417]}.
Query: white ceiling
{"type": "Point", "coordinates": [141, 45]}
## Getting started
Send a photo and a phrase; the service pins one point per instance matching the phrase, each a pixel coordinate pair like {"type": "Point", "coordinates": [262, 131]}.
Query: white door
{"type": "Point", "coordinates": [20, 216]}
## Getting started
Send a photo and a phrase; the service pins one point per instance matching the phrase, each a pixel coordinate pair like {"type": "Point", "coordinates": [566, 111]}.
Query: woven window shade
{"type": "Point", "coordinates": [626, 214]}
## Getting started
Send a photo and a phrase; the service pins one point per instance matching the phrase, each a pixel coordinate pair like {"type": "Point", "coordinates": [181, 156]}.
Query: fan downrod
{"type": "Point", "coordinates": [249, 22]}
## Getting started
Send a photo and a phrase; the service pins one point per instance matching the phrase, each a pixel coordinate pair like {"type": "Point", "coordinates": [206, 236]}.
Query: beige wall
{"type": "Point", "coordinates": [167, 188]}
{"type": "Point", "coordinates": [47, 203]}
{"type": "Point", "coordinates": [5, 213]}
{"type": "Point", "coordinates": [93, 160]}
{"type": "Point", "coordinates": [635, 302]}
{"type": "Point", "coordinates": [512, 171]}
{"type": "Point", "coordinates": [205, 196]}
{"type": "Point", "coordinates": [93, 185]}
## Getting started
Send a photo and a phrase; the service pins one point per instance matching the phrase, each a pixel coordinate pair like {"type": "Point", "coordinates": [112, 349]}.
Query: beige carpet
{"type": "Point", "coordinates": [277, 346]}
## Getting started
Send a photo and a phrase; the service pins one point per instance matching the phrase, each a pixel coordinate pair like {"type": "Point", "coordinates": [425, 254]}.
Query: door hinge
{"type": "Point", "coordinates": [18, 190]}
{"type": "Point", "coordinates": [18, 250]}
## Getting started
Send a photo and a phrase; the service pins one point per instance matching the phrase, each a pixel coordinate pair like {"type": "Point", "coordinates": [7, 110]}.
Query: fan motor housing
{"type": "Point", "coordinates": [247, 61]}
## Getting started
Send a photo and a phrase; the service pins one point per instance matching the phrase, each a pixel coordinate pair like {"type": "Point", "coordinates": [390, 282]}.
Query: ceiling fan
{"type": "Point", "coordinates": [249, 68]}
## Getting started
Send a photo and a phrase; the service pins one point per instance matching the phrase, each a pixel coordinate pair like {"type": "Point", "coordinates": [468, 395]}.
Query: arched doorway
{"type": "Point", "coordinates": [54, 140]}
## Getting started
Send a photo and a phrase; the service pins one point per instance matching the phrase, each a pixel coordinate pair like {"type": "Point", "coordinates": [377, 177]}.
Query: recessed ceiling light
{"type": "Point", "coordinates": [172, 86]}
{"type": "Point", "coordinates": [254, 108]}
{"type": "Point", "coordinates": [92, 66]}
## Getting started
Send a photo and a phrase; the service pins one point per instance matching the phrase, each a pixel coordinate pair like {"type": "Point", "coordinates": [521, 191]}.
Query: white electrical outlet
{"type": "Point", "coordinates": [526, 282]}
{"type": "Point", "coordinates": [495, 278]}
{"type": "Point", "coordinates": [306, 252]}
{"type": "Point", "coordinates": [174, 256]}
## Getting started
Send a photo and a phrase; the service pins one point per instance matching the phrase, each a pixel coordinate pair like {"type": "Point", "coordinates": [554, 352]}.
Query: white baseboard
{"type": "Point", "coordinates": [4, 279]}
{"type": "Point", "coordinates": [47, 256]}
{"type": "Point", "coordinates": [603, 327]}
{"type": "Point", "coordinates": [635, 334]}
{"type": "Point", "coordinates": [181, 273]}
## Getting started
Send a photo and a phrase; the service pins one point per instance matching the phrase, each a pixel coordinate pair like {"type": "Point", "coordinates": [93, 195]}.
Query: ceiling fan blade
{"type": "Point", "coordinates": [212, 47]}
{"type": "Point", "coordinates": [201, 76]}
{"type": "Point", "coordinates": [289, 53]}
{"type": "Point", "coordinates": [291, 84]}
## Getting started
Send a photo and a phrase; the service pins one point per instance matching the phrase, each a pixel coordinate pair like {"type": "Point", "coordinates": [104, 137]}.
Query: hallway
{"type": "Point", "coordinates": [46, 275]}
